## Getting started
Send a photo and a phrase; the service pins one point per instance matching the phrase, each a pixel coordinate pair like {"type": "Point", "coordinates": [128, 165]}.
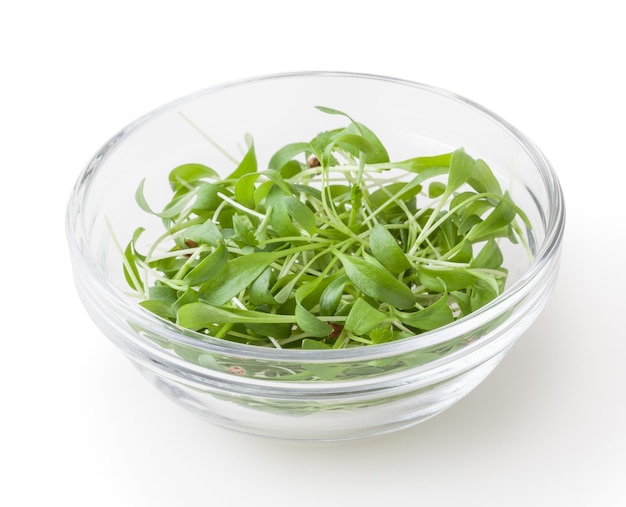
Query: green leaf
{"type": "Point", "coordinates": [319, 144]}
{"type": "Point", "coordinates": [382, 335]}
{"type": "Point", "coordinates": [163, 293]}
{"type": "Point", "coordinates": [286, 154]}
{"type": "Point", "coordinates": [279, 181]}
{"type": "Point", "coordinates": [176, 206]}
{"type": "Point", "coordinates": [363, 318]}
{"type": "Point", "coordinates": [280, 219]}
{"type": "Point", "coordinates": [460, 198]}
{"type": "Point", "coordinates": [310, 324]}
{"type": "Point", "coordinates": [301, 213]}
{"type": "Point", "coordinates": [159, 308]}
{"type": "Point", "coordinates": [209, 267]}
{"type": "Point", "coordinates": [308, 344]}
{"type": "Point", "coordinates": [374, 150]}
{"type": "Point", "coordinates": [248, 164]}
{"type": "Point", "coordinates": [261, 192]}
{"type": "Point", "coordinates": [313, 287]}
{"type": "Point", "coordinates": [238, 274]}
{"type": "Point", "coordinates": [419, 164]}
{"type": "Point", "coordinates": [131, 272]}
{"type": "Point", "coordinates": [291, 169]}
{"type": "Point", "coordinates": [332, 294]}
{"type": "Point", "coordinates": [355, 141]}
{"type": "Point", "coordinates": [436, 189]}
{"type": "Point", "coordinates": [461, 169]}
{"type": "Point", "coordinates": [260, 293]}
{"type": "Point", "coordinates": [206, 233]}
{"type": "Point", "coordinates": [432, 317]}
{"type": "Point", "coordinates": [464, 253]}
{"type": "Point", "coordinates": [481, 294]}
{"type": "Point", "coordinates": [244, 190]}
{"type": "Point", "coordinates": [386, 250]}
{"type": "Point", "coordinates": [186, 174]}
{"type": "Point", "coordinates": [201, 315]}
{"type": "Point", "coordinates": [397, 191]}
{"type": "Point", "coordinates": [140, 198]}
{"type": "Point", "coordinates": [278, 331]}
{"type": "Point", "coordinates": [444, 278]}
{"type": "Point", "coordinates": [483, 179]}
{"type": "Point", "coordinates": [244, 230]}
{"type": "Point", "coordinates": [206, 197]}
{"type": "Point", "coordinates": [490, 256]}
{"type": "Point", "coordinates": [462, 299]}
{"type": "Point", "coordinates": [189, 296]}
{"type": "Point", "coordinates": [376, 282]}
{"type": "Point", "coordinates": [330, 110]}
{"type": "Point", "coordinates": [502, 215]}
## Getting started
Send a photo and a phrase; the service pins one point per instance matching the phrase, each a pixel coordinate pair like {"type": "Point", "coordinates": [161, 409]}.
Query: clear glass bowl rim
{"type": "Point", "coordinates": [544, 257]}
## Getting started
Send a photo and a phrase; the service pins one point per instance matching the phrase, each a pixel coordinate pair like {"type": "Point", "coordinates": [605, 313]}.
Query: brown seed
{"type": "Point", "coordinates": [191, 243]}
{"type": "Point", "coordinates": [236, 370]}
{"type": "Point", "coordinates": [337, 329]}
{"type": "Point", "coordinates": [313, 162]}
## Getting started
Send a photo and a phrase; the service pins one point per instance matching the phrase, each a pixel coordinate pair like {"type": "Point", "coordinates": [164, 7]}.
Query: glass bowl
{"type": "Point", "coordinates": [315, 395]}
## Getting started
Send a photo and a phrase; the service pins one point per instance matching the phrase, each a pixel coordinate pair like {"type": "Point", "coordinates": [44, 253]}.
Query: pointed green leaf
{"type": "Point", "coordinates": [206, 233]}
{"type": "Point", "coordinates": [363, 318]}
{"type": "Point", "coordinates": [163, 293]}
{"type": "Point", "coordinates": [375, 152]}
{"type": "Point", "coordinates": [186, 174]}
{"type": "Point", "coordinates": [238, 274]}
{"type": "Point", "coordinates": [382, 335]}
{"type": "Point", "coordinates": [140, 198]}
{"type": "Point", "coordinates": [131, 272]}
{"type": "Point", "coordinates": [309, 344]}
{"type": "Point", "coordinates": [502, 215]}
{"type": "Point", "coordinates": [464, 253]}
{"type": "Point", "coordinates": [279, 181]}
{"type": "Point", "coordinates": [260, 293]}
{"type": "Point", "coordinates": [201, 314]}
{"type": "Point", "coordinates": [419, 164]}
{"type": "Point", "coordinates": [432, 317]}
{"type": "Point", "coordinates": [436, 188]}
{"type": "Point", "coordinates": [441, 279]}
{"type": "Point", "coordinates": [310, 324]}
{"type": "Point", "coordinates": [490, 256]}
{"type": "Point", "coordinates": [387, 251]}
{"type": "Point", "coordinates": [276, 330]}
{"type": "Point", "coordinates": [461, 169]}
{"type": "Point", "coordinates": [189, 296]}
{"type": "Point", "coordinates": [481, 294]}
{"type": "Point", "coordinates": [483, 179]}
{"type": "Point", "coordinates": [279, 218]}
{"type": "Point", "coordinates": [206, 197]}
{"type": "Point", "coordinates": [320, 143]}
{"type": "Point", "coordinates": [332, 294]}
{"type": "Point", "coordinates": [301, 213]}
{"type": "Point", "coordinates": [291, 169]}
{"type": "Point", "coordinates": [248, 164]}
{"type": "Point", "coordinates": [377, 282]}
{"type": "Point", "coordinates": [209, 267]}
{"type": "Point", "coordinates": [159, 308]}
{"type": "Point", "coordinates": [176, 205]}
{"type": "Point", "coordinates": [244, 189]}
{"type": "Point", "coordinates": [286, 154]}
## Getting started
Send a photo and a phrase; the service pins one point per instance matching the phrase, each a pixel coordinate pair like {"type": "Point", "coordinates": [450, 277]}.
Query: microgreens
{"type": "Point", "coordinates": [331, 246]}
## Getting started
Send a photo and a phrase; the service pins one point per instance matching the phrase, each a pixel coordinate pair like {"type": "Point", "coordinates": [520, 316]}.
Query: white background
{"type": "Point", "coordinates": [80, 427]}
